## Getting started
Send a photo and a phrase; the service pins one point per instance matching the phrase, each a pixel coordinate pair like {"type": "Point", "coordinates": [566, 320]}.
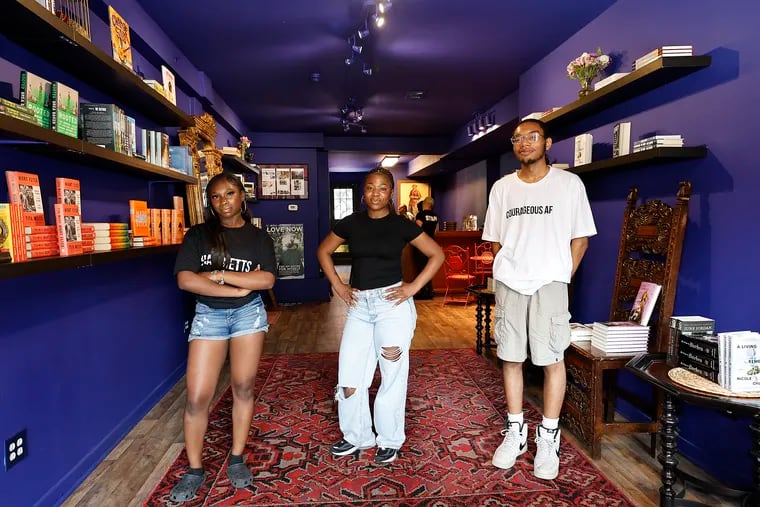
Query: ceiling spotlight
{"type": "Point", "coordinates": [367, 69]}
{"type": "Point", "coordinates": [379, 20]}
{"type": "Point", "coordinates": [384, 7]}
{"type": "Point", "coordinates": [356, 48]}
{"type": "Point", "coordinates": [349, 60]}
{"type": "Point", "coordinates": [389, 160]}
{"type": "Point", "coordinates": [363, 32]}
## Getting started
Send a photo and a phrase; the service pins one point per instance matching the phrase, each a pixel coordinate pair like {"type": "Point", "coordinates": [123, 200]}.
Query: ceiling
{"type": "Point", "coordinates": [263, 57]}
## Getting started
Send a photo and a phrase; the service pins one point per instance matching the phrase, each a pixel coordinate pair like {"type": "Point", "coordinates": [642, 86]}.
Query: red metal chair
{"type": "Point", "coordinates": [456, 269]}
{"type": "Point", "coordinates": [482, 266]}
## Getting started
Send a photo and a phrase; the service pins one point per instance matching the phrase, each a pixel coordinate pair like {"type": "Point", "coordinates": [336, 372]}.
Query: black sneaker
{"type": "Point", "coordinates": [344, 448]}
{"type": "Point", "coordinates": [385, 455]}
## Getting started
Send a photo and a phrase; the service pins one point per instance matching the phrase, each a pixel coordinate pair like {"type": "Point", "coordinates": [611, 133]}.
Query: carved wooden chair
{"type": "Point", "coordinates": [456, 269]}
{"type": "Point", "coordinates": [651, 244]}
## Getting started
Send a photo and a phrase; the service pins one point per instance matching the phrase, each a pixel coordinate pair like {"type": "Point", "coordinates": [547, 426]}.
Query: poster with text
{"type": "Point", "coordinates": [288, 249]}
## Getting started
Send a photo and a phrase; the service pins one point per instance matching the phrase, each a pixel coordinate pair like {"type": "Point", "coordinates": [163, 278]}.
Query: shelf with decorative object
{"type": "Point", "coordinates": [30, 25]}
{"type": "Point", "coordinates": [653, 75]}
{"type": "Point", "coordinates": [34, 137]}
{"type": "Point", "coordinates": [48, 264]}
{"type": "Point", "coordinates": [643, 158]}
{"type": "Point", "coordinates": [239, 164]}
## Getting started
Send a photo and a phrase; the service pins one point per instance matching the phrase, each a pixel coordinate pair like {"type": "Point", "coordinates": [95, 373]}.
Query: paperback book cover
{"type": "Point", "coordinates": [9, 238]}
{"type": "Point", "coordinates": [64, 107]}
{"type": "Point", "coordinates": [24, 189]}
{"type": "Point", "coordinates": [67, 191]}
{"type": "Point", "coordinates": [644, 304]}
{"type": "Point", "coordinates": [168, 79]}
{"type": "Point", "coordinates": [120, 41]}
{"type": "Point", "coordinates": [583, 147]}
{"type": "Point", "coordinates": [35, 94]}
{"type": "Point", "coordinates": [139, 218]}
{"type": "Point", "coordinates": [69, 223]}
{"type": "Point", "coordinates": [621, 139]}
{"type": "Point", "coordinates": [100, 125]}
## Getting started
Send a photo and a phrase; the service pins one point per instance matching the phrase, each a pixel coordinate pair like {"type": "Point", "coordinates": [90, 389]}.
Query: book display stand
{"type": "Point", "coordinates": [60, 45]}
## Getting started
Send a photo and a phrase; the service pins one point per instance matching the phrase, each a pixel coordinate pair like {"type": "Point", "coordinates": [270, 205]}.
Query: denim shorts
{"type": "Point", "coordinates": [225, 323]}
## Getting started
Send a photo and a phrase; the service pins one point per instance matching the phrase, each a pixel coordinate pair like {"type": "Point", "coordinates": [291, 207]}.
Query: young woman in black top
{"type": "Point", "coordinates": [381, 317]}
{"type": "Point", "coordinates": [225, 261]}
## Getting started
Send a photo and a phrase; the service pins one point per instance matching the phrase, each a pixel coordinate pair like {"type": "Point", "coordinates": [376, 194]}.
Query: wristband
{"type": "Point", "coordinates": [221, 280]}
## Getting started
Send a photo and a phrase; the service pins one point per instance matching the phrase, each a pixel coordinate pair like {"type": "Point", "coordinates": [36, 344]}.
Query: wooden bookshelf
{"type": "Point", "coordinates": [643, 158]}
{"type": "Point", "coordinates": [237, 163]}
{"type": "Point", "coordinates": [33, 137]}
{"type": "Point", "coordinates": [48, 264]}
{"type": "Point", "coordinates": [30, 25]}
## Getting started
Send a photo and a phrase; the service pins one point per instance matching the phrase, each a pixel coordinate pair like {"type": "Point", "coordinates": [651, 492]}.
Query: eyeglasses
{"type": "Point", "coordinates": [533, 137]}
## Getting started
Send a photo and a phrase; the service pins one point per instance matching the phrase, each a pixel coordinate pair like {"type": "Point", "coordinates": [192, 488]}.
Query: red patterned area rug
{"type": "Point", "coordinates": [454, 415]}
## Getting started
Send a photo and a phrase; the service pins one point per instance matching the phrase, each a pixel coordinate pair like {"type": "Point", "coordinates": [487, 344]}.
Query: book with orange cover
{"type": "Point", "coordinates": [155, 224]}
{"type": "Point", "coordinates": [24, 189]}
{"type": "Point", "coordinates": [139, 218]}
{"type": "Point", "coordinates": [69, 224]}
{"type": "Point", "coordinates": [178, 225]}
{"type": "Point", "coordinates": [67, 191]}
{"type": "Point", "coordinates": [120, 40]}
{"type": "Point", "coordinates": [166, 226]}
{"type": "Point", "coordinates": [47, 252]}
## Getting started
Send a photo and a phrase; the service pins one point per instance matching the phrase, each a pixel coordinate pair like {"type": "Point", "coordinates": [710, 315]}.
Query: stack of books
{"type": "Point", "coordinates": [658, 141]}
{"type": "Point", "coordinates": [739, 361]}
{"type": "Point", "coordinates": [16, 110]}
{"type": "Point", "coordinates": [40, 241]}
{"type": "Point", "coordinates": [620, 337]}
{"type": "Point", "coordinates": [663, 52]}
{"type": "Point", "coordinates": [685, 327]}
{"type": "Point", "coordinates": [580, 332]}
{"type": "Point", "coordinates": [109, 236]}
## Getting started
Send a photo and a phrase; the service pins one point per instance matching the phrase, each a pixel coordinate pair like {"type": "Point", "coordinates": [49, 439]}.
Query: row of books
{"type": "Point", "coordinates": [156, 226]}
{"type": "Point", "coordinates": [658, 141]}
{"type": "Point", "coordinates": [662, 52]}
{"type": "Point", "coordinates": [730, 359]}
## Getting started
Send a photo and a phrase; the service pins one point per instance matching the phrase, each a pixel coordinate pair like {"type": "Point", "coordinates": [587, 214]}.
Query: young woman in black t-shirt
{"type": "Point", "coordinates": [381, 317]}
{"type": "Point", "coordinates": [224, 261]}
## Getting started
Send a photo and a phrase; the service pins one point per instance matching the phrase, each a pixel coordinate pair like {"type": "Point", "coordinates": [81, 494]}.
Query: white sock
{"type": "Point", "coordinates": [518, 418]}
{"type": "Point", "coordinates": [550, 424]}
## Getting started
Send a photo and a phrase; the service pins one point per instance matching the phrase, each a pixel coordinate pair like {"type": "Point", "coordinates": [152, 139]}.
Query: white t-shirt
{"type": "Point", "coordinates": [535, 222]}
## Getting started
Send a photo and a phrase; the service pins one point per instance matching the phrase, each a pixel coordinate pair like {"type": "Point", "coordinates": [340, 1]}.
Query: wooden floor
{"type": "Point", "coordinates": [130, 472]}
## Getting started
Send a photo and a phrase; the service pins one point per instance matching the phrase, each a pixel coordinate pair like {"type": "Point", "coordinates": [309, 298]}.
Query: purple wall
{"type": "Point", "coordinates": [715, 106]}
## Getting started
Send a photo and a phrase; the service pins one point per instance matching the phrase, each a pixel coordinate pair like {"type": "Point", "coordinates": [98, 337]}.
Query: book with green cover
{"type": "Point", "coordinates": [35, 94]}
{"type": "Point", "coordinates": [64, 106]}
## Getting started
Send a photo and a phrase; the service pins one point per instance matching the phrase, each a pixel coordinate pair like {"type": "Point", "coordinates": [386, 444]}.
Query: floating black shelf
{"type": "Point", "coordinates": [45, 265]}
{"type": "Point", "coordinates": [30, 25]}
{"type": "Point", "coordinates": [240, 164]}
{"type": "Point", "coordinates": [638, 82]}
{"type": "Point", "coordinates": [643, 158]}
{"type": "Point", "coordinates": [64, 146]}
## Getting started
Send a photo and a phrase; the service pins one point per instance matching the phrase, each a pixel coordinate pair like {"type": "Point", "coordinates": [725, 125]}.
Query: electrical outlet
{"type": "Point", "coordinates": [16, 449]}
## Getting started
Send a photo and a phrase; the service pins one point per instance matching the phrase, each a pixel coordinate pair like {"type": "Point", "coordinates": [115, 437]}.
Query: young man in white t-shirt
{"type": "Point", "coordinates": [539, 221]}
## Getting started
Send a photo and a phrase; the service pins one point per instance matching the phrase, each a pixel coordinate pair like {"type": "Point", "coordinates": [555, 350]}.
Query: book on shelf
{"type": "Point", "coordinates": [69, 224]}
{"type": "Point", "coordinates": [621, 139]}
{"type": "Point", "coordinates": [11, 231]}
{"type": "Point", "coordinates": [663, 52]}
{"type": "Point", "coordinates": [35, 94]}
{"type": "Point", "coordinates": [583, 146]}
{"type": "Point", "coordinates": [155, 224]}
{"type": "Point", "coordinates": [180, 159]}
{"type": "Point", "coordinates": [17, 111]}
{"type": "Point", "coordinates": [139, 218]}
{"type": "Point", "coordinates": [64, 108]}
{"type": "Point", "coordinates": [105, 125]}
{"type": "Point", "coordinates": [164, 149]}
{"type": "Point", "coordinates": [166, 226]}
{"type": "Point", "coordinates": [178, 225]}
{"type": "Point", "coordinates": [609, 80]}
{"type": "Point", "coordinates": [67, 191]}
{"type": "Point", "coordinates": [170, 91]}
{"type": "Point", "coordinates": [120, 39]}
{"type": "Point", "coordinates": [24, 189]}
{"type": "Point", "coordinates": [131, 136]}
{"type": "Point", "coordinates": [155, 85]}
{"type": "Point", "coordinates": [644, 303]}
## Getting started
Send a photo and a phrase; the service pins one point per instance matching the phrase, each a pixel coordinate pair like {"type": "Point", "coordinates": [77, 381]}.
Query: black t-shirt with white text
{"type": "Point", "coordinates": [429, 221]}
{"type": "Point", "coordinates": [248, 247]}
{"type": "Point", "coordinates": [375, 245]}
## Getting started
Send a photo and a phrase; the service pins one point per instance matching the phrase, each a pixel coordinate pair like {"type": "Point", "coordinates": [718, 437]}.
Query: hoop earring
{"type": "Point", "coordinates": [243, 208]}
{"type": "Point", "coordinates": [211, 211]}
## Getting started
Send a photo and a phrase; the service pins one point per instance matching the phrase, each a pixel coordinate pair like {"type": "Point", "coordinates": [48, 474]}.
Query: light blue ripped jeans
{"type": "Point", "coordinates": [371, 324]}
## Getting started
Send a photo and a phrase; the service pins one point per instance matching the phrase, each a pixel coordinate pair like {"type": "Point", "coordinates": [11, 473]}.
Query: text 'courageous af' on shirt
{"type": "Point", "coordinates": [375, 245]}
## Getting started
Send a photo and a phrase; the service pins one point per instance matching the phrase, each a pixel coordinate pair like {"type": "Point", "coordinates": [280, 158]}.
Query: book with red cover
{"type": "Point", "coordinates": [67, 191]}
{"type": "Point", "coordinates": [24, 189]}
{"type": "Point", "coordinates": [69, 224]}
{"type": "Point", "coordinates": [139, 218]}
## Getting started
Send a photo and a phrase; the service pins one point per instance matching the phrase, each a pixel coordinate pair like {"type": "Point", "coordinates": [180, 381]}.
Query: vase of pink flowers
{"type": "Point", "coordinates": [586, 68]}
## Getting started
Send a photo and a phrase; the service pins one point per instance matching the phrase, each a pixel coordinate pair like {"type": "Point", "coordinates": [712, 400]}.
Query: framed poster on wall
{"type": "Point", "coordinates": [410, 193]}
{"type": "Point", "coordinates": [284, 181]}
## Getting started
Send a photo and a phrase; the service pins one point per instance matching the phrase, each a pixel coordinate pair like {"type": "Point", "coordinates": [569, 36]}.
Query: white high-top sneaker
{"type": "Point", "coordinates": [546, 464]}
{"type": "Point", "coordinates": [515, 443]}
